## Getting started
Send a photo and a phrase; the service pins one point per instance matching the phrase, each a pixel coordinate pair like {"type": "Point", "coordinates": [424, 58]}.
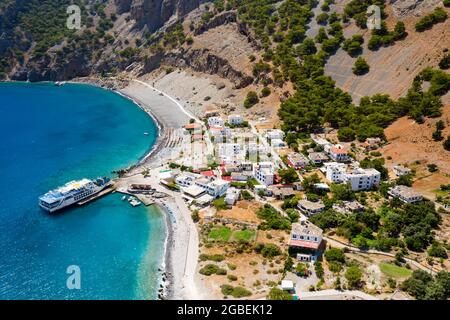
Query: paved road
{"type": "Point", "coordinates": [335, 295]}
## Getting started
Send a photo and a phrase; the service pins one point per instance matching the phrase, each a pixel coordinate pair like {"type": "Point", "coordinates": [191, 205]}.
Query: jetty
{"type": "Point", "coordinates": [145, 198]}
{"type": "Point", "coordinates": [96, 196]}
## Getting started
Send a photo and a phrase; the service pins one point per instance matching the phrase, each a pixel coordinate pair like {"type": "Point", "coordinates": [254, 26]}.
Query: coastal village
{"type": "Point", "coordinates": [249, 201]}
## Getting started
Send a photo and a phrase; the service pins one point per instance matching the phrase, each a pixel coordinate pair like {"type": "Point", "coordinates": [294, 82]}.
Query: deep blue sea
{"type": "Point", "coordinates": [49, 136]}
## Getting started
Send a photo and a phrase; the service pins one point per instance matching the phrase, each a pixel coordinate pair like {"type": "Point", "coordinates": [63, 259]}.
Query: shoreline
{"type": "Point", "coordinates": [165, 112]}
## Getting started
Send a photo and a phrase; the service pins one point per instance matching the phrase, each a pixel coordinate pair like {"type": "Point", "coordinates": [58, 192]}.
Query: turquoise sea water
{"type": "Point", "coordinates": [51, 135]}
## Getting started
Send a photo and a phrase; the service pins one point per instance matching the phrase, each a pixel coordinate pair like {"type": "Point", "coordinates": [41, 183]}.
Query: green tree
{"type": "Point", "coordinates": [288, 175]}
{"type": "Point", "coordinates": [447, 143]}
{"type": "Point", "coordinates": [278, 294]}
{"type": "Point", "coordinates": [361, 66]}
{"type": "Point", "coordinates": [353, 276]}
{"type": "Point", "coordinates": [400, 31]}
{"type": "Point", "coordinates": [342, 192]}
{"type": "Point", "coordinates": [346, 134]}
{"type": "Point", "coordinates": [335, 255]}
{"type": "Point", "coordinates": [251, 99]}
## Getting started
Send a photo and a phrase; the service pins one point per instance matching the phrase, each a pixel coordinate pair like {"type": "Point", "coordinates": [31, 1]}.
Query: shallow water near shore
{"type": "Point", "coordinates": [51, 135]}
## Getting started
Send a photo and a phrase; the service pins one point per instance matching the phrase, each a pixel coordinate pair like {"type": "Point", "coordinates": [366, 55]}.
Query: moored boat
{"type": "Point", "coordinates": [71, 193]}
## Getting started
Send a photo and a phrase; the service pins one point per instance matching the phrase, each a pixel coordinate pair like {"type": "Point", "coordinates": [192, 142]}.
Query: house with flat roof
{"type": "Point", "coordinates": [204, 200]}
{"type": "Point", "coordinates": [297, 160]}
{"type": "Point", "coordinates": [186, 179]}
{"type": "Point", "coordinates": [235, 119]}
{"type": "Point", "coordinates": [193, 191]}
{"type": "Point", "coordinates": [310, 208]}
{"type": "Point", "coordinates": [318, 157]}
{"type": "Point", "coordinates": [277, 143]}
{"type": "Point", "coordinates": [305, 241]}
{"type": "Point", "coordinates": [401, 170]}
{"type": "Point", "coordinates": [215, 121]}
{"type": "Point", "coordinates": [363, 179]}
{"type": "Point", "coordinates": [334, 171]}
{"type": "Point", "coordinates": [281, 193]}
{"type": "Point", "coordinates": [217, 188]}
{"type": "Point", "coordinates": [275, 134]}
{"type": "Point", "coordinates": [264, 173]}
{"type": "Point", "coordinates": [348, 207]}
{"type": "Point", "coordinates": [232, 195]}
{"type": "Point", "coordinates": [241, 176]}
{"type": "Point", "coordinates": [405, 194]}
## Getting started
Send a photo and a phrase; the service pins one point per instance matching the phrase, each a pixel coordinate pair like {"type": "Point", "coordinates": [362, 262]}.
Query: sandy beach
{"type": "Point", "coordinates": [182, 238]}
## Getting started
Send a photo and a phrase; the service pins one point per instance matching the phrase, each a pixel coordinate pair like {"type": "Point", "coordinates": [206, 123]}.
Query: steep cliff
{"type": "Point", "coordinates": [154, 13]}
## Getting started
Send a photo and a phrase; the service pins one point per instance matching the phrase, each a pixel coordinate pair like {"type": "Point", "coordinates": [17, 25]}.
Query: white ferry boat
{"type": "Point", "coordinates": [71, 193]}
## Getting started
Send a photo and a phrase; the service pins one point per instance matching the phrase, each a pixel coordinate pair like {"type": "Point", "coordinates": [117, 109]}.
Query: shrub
{"type": "Point", "coordinates": [232, 277]}
{"type": "Point", "coordinates": [265, 91]}
{"type": "Point", "coordinates": [427, 22]}
{"type": "Point", "coordinates": [270, 250]}
{"type": "Point", "coordinates": [231, 266]}
{"type": "Point", "coordinates": [195, 216]}
{"type": "Point", "coordinates": [353, 276]}
{"type": "Point", "coordinates": [447, 144]}
{"type": "Point", "coordinates": [209, 269]}
{"type": "Point", "coordinates": [437, 250]}
{"type": "Point", "coordinates": [319, 269]}
{"type": "Point", "coordinates": [361, 67]}
{"type": "Point", "coordinates": [251, 99]}
{"type": "Point", "coordinates": [221, 272]}
{"type": "Point", "coordinates": [278, 294]}
{"type": "Point", "coordinates": [236, 292]}
{"type": "Point", "coordinates": [335, 254]}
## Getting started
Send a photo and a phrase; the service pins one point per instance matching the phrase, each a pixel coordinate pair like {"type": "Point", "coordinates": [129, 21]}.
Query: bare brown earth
{"type": "Point", "coordinates": [393, 68]}
{"type": "Point", "coordinates": [410, 142]}
{"type": "Point", "coordinates": [253, 271]}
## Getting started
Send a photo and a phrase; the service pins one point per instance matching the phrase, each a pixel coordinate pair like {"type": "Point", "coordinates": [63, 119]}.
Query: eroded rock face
{"type": "Point", "coordinates": [403, 8]}
{"type": "Point", "coordinates": [202, 60]}
{"type": "Point", "coordinates": [154, 13]}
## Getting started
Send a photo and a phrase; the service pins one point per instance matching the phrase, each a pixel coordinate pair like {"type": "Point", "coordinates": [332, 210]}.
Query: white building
{"type": "Point", "coordinates": [363, 179]}
{"type": "Point", "coordinates": [203, 182]}
{"type": "Point", "coordinates": [254, 148]}
{"type": "Point", "coordinates": [334, 171]}
{"type": "Point", "coordinates": [186, 179]}
{"type": "Point", "coordinates": [338, 153]}
{"type": "Point", "coordinates": [235, 119]}
{"type": "Point", "coordinates": [277, 143]}
{"type": "Point", "coordinates": [215, 121]}
{"type": "Point", "coordinates": [297, 160]}
{"type": "Point", "coordinates": [193, 191]}
{"type": "Point", "coordinates": [217, 188]}
{"type": "Point", "coordinates": [264, 173]}
{"type": "Point", "coordinates": [247, 166]}
{"type": "Point", "coordinates": [275, 134]}
{"type": "Point", "coordinates": [310, 208]}
{"type": "Point", "coordinates": [307, 238]}
{"type": "Point", "coordinates": [401, 170]}
{"type": "Point", "coordinates": [319, 141]}
{"type": "Point", "coordinates": [229, 149]}
{"type": "Point", "coordinates": [232, 195]}
{"type": "Point", "coordinates": [405, 194]}
{"type": "Point", "coordinates": [317, 157]}
{"type": "Point", "coordinates": [220, 132]}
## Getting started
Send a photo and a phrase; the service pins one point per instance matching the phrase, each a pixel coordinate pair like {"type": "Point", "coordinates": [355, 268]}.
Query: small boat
{"type": "Point", "coordinates": [60, 83]}
{"type": "Point", "coordinates": [124, 198]}
{"type": "Point", "coordinates": [135, 203]}
{"type": "Point", "coordinates": [145, 133]}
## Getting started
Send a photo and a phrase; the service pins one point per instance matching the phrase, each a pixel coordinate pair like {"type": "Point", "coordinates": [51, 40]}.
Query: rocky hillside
{"type": "Point", "coordinates": [393, 67]}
